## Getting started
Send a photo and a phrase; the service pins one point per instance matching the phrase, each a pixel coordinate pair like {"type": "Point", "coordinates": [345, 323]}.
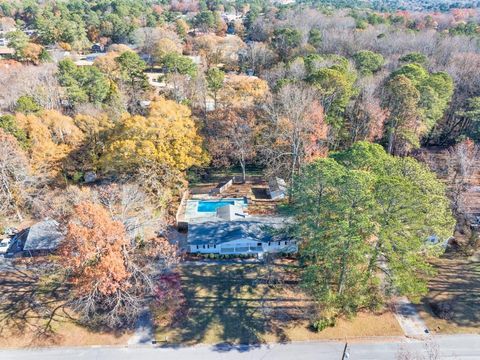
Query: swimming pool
{"type": "Point", "coordinates": [207, 208]}
{"type": "Point", "coordinates": [212, 206]}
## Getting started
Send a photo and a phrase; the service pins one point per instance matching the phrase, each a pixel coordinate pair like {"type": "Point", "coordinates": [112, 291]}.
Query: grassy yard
{"type": "Point", "coordinates": [241, 304]}
{"type": "Point", "coordinates": [455, 296]}
{"type": "Point", "coordinates": [22, 327]}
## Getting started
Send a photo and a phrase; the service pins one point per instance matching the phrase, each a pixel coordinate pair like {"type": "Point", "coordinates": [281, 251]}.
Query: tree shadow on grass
{"type": "Point", "coordinates": [34, 305]}
{"type": "Point", "coordinates": [454, 293]}
{"type": "Point", "coordinates": [233, 306]}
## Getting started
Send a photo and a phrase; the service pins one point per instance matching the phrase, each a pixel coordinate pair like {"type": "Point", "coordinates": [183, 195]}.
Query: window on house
{"type": "Point", "coordinates": [279, 243]}
{"type": "Point", "coordinates": [259, 244]}
{"type": "Point", "coordinates": [214, 246]}
{"type": "Point", "coordinates": [204, 246]}
{"type": "Point", "coordinates": [285, 243]}
{"type": "Point", "coordinates": [197, 247]}
{"type": "Point", "coordinates": [269, 243]}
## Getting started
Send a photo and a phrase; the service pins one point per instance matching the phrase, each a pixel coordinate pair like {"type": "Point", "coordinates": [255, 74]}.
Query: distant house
{"type": "Point", "coordinates": [277, 188]}
{"type": "Point", "coordinates": [98, 48]}
{"type": "Point", "coordinates": [43, 238]}
{"type": "Point", "coordinates": [252, 235]}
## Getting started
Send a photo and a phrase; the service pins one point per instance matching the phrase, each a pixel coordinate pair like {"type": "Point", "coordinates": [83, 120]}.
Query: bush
{"type": "Point", "coordinates": [323, 323]}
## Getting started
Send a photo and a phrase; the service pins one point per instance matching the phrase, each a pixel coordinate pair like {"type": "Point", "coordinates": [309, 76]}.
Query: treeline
{"type": "Point", "coordinates": [190, 85]}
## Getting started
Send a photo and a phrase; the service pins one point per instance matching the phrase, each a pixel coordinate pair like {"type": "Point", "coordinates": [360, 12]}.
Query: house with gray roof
{"type": "Point", "coordinates": [42, 238]}
{"type": "Point", "coordinates": [249, 235]}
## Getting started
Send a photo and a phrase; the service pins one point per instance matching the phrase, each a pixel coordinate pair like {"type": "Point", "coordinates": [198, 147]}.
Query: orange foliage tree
{"type": "Point", "coordinates": [111, 277]}
{"type": "Point", "coordinates": [230, 136]}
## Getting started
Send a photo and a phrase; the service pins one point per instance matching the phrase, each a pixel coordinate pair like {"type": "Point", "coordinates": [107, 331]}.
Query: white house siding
{"type": "Point", "coordinates": [245, 246]}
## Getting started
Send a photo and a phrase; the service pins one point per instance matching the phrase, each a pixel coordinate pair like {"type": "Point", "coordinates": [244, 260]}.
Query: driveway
{"type": "Point", "coordinates": [409, 319]}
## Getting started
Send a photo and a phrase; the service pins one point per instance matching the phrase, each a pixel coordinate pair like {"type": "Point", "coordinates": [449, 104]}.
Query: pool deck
{"type": "Point", "coordinates": [253, 191]}
{"type": "Point", "coordinates": [192, 212]}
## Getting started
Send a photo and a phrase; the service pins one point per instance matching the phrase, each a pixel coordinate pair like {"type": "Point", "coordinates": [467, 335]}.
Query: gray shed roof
{"type": "Point", "coordinates": [218, 232]}
{"type": "Point", "coordinates": [44, 235]}
{"type": "Point", "coordinates": [277, 184]}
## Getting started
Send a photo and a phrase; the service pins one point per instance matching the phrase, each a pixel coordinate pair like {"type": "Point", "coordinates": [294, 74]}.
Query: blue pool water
{"type": "Point", "coordinates": [212, 206]}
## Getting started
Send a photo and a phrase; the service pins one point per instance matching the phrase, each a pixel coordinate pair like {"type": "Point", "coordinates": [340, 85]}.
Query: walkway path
{"type": "Point", "coordinates": [144, 330]}
{"type": "Point", "coordinates": [409, 319]}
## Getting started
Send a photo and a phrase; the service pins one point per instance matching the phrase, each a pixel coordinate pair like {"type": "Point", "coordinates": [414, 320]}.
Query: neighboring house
{"type": "Point", "coordinates": [252, 235]}
{"type": "Point", "coordinates": [43, 238]}
{"type": "Point", "coordinates": [277, 188]}
{"type": "Point", "coordinates": [98, 48]}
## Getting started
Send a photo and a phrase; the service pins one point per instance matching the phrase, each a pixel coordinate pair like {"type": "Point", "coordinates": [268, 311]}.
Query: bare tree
{"type": "Point", "coordinates": [13, 175]}
{"type": "Point", "coordinates": [296, 131]}
{"type": "Point", "coordinates": [462, 163]}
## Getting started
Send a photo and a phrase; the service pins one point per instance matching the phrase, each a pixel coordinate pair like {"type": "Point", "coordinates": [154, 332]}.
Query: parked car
{"type": "Point", "coordinates": [4, 245]}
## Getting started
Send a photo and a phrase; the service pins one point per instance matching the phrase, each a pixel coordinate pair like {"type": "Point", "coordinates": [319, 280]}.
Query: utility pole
{"type": "Point", "coordinates": [346, 354]}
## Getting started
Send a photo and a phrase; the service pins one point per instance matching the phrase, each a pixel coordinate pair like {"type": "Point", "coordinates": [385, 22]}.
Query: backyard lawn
{"type": "Point", "coordinates": [453, 303]}
{"type": "Point", "coordinates": [254, 303]}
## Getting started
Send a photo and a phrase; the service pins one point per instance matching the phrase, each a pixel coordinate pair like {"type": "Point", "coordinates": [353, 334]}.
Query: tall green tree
{"type": "Point", "coordinates": [416, 100]}
{"type": "Point", "coordinates": [364, 217]}
{"type": "Point", "coordinates": [84, 83]}
{"type": "Point", "coordinates": [368, 62]}
{"type": "Point", "coordinates": [215, 78]}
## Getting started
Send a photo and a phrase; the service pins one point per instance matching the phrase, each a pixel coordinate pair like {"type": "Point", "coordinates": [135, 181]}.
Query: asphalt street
{"type": "Point", "coordinates": [448, 347]}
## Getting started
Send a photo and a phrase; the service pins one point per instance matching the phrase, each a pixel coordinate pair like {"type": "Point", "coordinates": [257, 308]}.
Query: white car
{"type": "Point", "coordinates": [4, 245]}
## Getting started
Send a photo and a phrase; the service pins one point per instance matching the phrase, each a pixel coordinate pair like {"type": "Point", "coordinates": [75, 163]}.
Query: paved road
{"type": "Point", "coordinates": [456, 347]}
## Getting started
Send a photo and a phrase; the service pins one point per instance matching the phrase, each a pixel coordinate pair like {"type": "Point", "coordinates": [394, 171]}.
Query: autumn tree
{"type": "Point", "coordinates": [297, 131]}
{"type": "Point", "coordinates": [51, 137]}
{"type": "Point", "coordinates": [13, 175]}
{"type": "Point", "coordinates": [243, 91]}
{"type": "Point", "coordinates": [167, 137]}
{"type": "Point", "coordinates": [109, 276]}
{"type": "Point", "coordinates": [230, 137]}
{"type": "Point", "coordinates": [25, 50]}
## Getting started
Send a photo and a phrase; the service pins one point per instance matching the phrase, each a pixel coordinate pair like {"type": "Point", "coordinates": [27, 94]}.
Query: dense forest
{"type": "Point", "coordinates": [109, 107]}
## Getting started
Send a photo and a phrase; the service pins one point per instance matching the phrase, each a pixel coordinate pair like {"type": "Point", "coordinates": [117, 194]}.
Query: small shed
{"type": "Point", "coordinates": [277, 188]}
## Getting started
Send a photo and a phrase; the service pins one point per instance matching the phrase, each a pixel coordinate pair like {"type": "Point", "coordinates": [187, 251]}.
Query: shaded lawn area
{"type": "Point", "coordinates": [26, 302]}
{"type": "Point", "coordinates": [252, 304]}
{"type": "Point", "coordinates": [453, 303]}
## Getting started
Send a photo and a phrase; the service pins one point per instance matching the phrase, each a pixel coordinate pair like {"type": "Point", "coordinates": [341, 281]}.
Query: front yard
{"type": "Point", "coordinates": [254, 303]}
{"type": "Point", "coordinates": [21, 326]}
{"type": "Point", "coordinates": [453, 304]}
